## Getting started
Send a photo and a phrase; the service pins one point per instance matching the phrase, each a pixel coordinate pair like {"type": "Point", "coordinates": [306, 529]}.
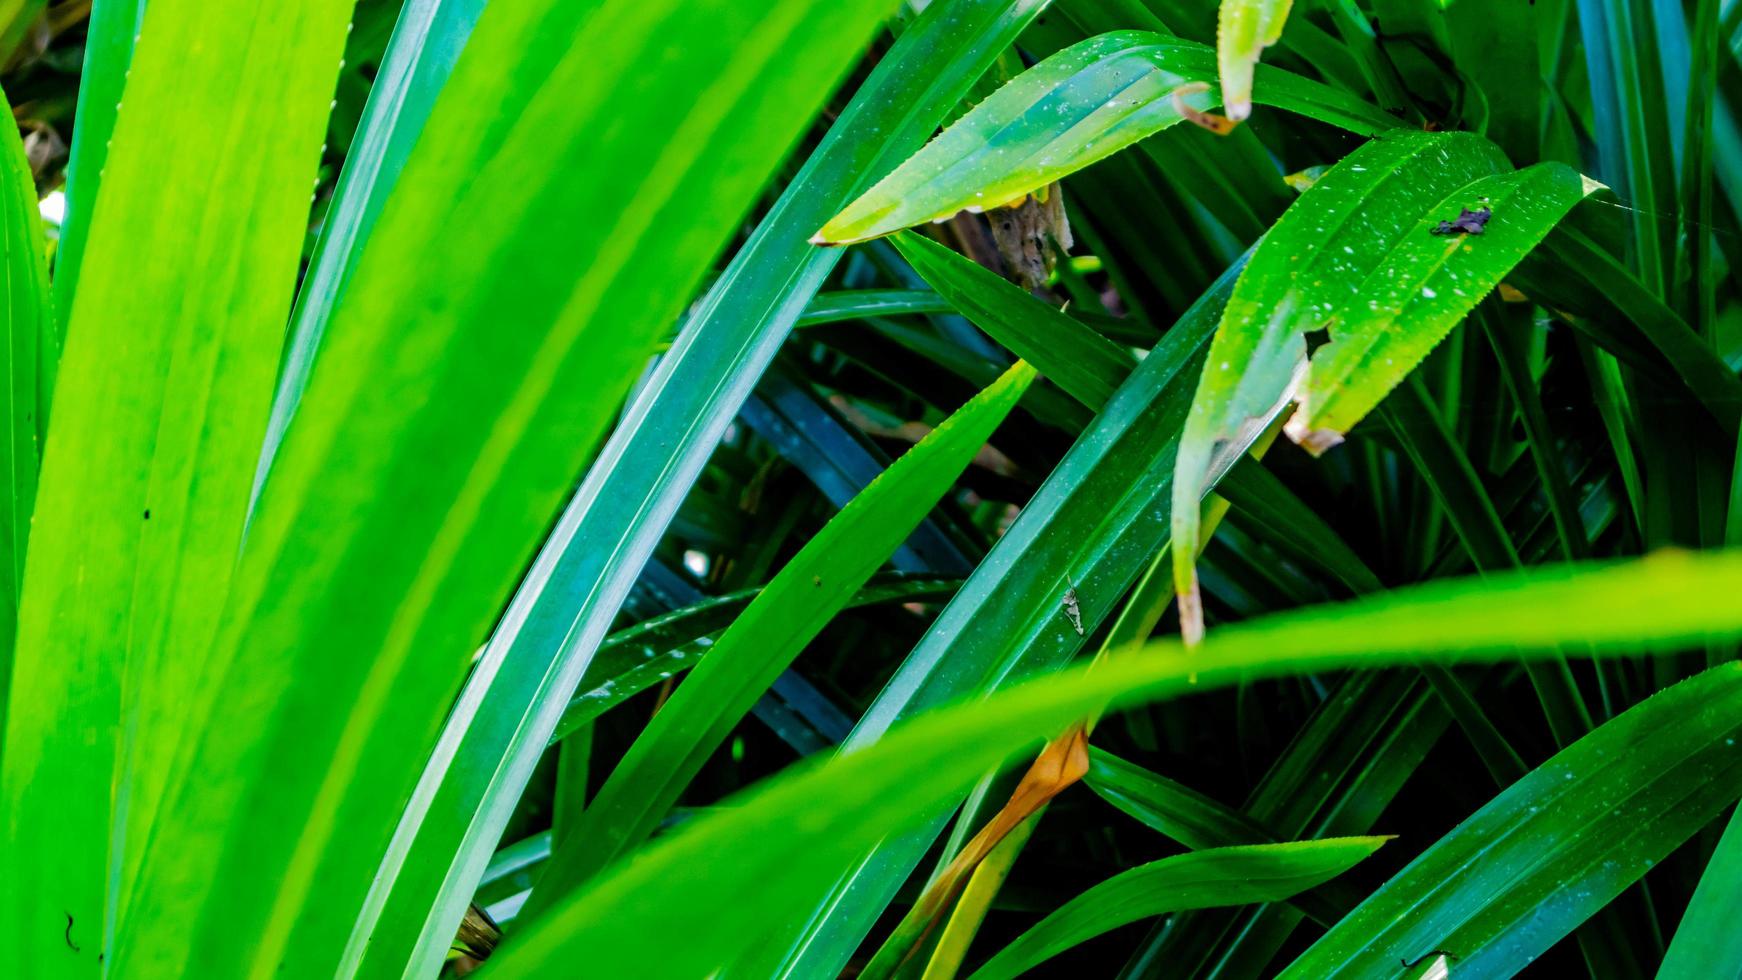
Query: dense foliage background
{"type": "Point", "coordinates": [324, 665]}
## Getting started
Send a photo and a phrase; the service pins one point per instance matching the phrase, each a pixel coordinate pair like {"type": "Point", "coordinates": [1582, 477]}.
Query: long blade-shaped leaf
{"type": "Point", "coordinates": [1557, 845]}
{"type": "Point", "coordinates": [108, 51]}
{"type": "Point", "coordinates": [170, 351]}
{"type": "Point", "coordinates": [426, 41]}
{"type": "Point", "coordinates": [28, 354]}
{"type": "Point", "coordinates": [1086, 365]}
{"type": "Point", "coordinates": [572, 593]}
{"type": "Point", "coordinates": [1181, 813]}
{"type": "Point", "coordinates": [789, 613]}
{"type": "Point", "coordinates": [425, 460]}
{"type": "Point", "coordinates": [693, 884]}
{"type": "Point", "coordinates": [1081, 105]}
{"type": "Point", "coordinates": [1199, 880]}
{"type": "Point", "coordinates": [1707, 942]}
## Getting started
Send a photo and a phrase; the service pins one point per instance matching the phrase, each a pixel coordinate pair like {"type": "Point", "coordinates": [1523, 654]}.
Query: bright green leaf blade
{"type": "Point", "coordinates": [826, 815]}
{"type": "Point", "coordinates": [570, 597]}
{"type": "Point", "coordinates": [1308, 269]}
{"type": "Point", "coordinates": [424, 465]}
{"type": "Point", "coordinates": [27, 359]}
{"type": "Point", "coordinates": [170, 352]}
{"type": "Point", "coordinates": [1707, 942]}
{"type": "Point", "coordinates": [1244, 28]}
{"type": "Point", "coordinates": [427, 39]}
{"type": "Point", "coordinates": [807, 593]}
{"type": "Point", "coordinates": [1426, 285]}
{"type": "Point", "coordinates": [109, 41]}
{"type": "Point", "coordinates": [647, 654]}
{"type": "Point", "coordinates": [1201, 879]}
{"type": "Point", "coordinates": [1086, 365]}
{"type": "Point", "coordinates": [1557, 845]}
{"type": "Point", "coordinates": [1081, 105]}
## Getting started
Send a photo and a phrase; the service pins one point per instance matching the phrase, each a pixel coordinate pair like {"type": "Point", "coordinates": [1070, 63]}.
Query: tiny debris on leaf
{"type": "Point", "coordinates": [1073, 612]}
{"type": "Point", "coordinates": [1466, 223]}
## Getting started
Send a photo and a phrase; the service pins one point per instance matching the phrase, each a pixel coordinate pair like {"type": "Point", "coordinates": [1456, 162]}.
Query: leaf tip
{"type": "Point", "coordinates": [1314, 441]}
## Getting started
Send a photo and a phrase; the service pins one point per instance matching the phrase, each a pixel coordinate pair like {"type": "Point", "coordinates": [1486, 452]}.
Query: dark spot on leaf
{"type": "Point", "coordinates": [148, 513]}
{"type": "Point", "coordinates": [1466, 223]}
{"type": "Point", "coordinates": [69, 934]}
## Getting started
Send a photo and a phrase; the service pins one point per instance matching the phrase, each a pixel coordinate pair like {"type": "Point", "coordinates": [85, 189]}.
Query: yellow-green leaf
{"type": "Point", "coordinates": [1244, 28]}
{"type": "Point", "coordinates": [1081, 105]}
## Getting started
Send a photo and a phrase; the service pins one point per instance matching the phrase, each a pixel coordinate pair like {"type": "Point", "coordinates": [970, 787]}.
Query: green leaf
{"type": "Point", "coordinates": [1707, 942]}
{"type": "Point", "coordinates": [1357, 254]}
{"type": "Point", "coordinates": [807, 593]}
{"type": "Point", "coordinates": [1201, 879]}
{"type": "Point", "coordinates": [1179, 812]}
{"type": "Point", "coordinates": [1425, 286]}
{"type": "Point", "coordinates": [502, 723]}
{"type": "Point", "coordinates": [1086, 365]}
{"type": "Point", "coordinates": [1556, 846]}
{"type": "Point", "coordinates": [1510, 338]}
{"type": "Point", "coordinates": [1340, 772]}
{"type": "Point", "coordinates": [856, 304]}
{"type": "Point", "coordinates": [173, 339]}
{"type": "Point", "coordinates": [109, 41]}
{"type": "Point", "coordinates": [28, 356]}
{"type": "Point", "coordinates": [1244, 28]}
{"type": "Point", "coordinates": [427, 39]}
{"type": "Point", "coordinates": [1495, 42]}
{"type": "Point", "coordinates": [1371, 199]}
{"type": "Point", "coordinates": [645, 655]}
{"type": "Point", "coordinates": [827, 814]}
{"type": "Point", "coordinates": [1611, 284]}
{"type": "Point", "coordinates": [1631, 128]}
{"type": "Point", "coordinates": [1081, 105]}
{"type": "Point", "coordinates": [424, 465]}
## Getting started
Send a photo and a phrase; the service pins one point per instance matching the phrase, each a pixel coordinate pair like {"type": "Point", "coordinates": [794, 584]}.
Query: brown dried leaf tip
{"type": "Point", "coordinates": [1218, 124]}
